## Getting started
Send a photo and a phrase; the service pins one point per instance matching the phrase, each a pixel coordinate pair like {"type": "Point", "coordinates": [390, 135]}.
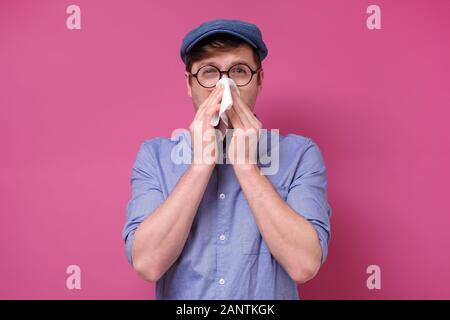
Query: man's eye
{"type": "Point", "coordinates": [240, 70]}
{"type": "Point", "coordinates": [208, 71]}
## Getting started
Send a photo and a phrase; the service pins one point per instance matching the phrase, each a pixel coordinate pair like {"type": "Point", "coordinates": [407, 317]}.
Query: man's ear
{"type": "Point", "coordinates": [189, 89]}
{"type": "Point", "coordinates": [260, 82]}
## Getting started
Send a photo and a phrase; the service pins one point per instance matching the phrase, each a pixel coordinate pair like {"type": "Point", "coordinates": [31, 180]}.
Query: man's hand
{"type": "Point", "coordinates": [204, 140]}
{"type": "Point", "coordinates": [243, 147]}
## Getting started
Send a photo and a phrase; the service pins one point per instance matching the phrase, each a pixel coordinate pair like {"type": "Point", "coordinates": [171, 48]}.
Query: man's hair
{"type": "Point", "coordinates": [216, 42]}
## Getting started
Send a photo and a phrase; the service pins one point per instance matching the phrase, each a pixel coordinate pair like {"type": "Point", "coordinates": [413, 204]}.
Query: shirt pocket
{"type": "Point", "coordinates": [250, 237]}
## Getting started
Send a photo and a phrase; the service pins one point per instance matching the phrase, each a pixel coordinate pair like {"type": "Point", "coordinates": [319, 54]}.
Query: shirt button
{"type": "Point", "coordinates": [222, 281]}
{"type": "Point", "coordinates": [222, 196]}
{"type": "Point", "coordinates": [222, 237]}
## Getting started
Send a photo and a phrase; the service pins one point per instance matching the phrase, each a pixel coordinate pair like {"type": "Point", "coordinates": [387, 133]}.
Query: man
{"type": "Point", "coordinates": [213, 230]}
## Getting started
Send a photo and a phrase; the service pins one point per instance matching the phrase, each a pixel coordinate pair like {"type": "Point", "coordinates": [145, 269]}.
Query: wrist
{"type": "Point", "coordinates": [202, 168]}
{"type": "Point", "coordinates": [246, 169]}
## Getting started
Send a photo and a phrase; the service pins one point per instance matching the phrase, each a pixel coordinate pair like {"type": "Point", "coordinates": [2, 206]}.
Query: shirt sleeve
{"type": "Point", "coordinates": [307, 194]}
{"type": "Point", "coordinates": [146, 194]}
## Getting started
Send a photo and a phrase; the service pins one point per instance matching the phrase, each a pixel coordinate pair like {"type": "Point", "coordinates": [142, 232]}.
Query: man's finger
{"type": "Point", "coordinates": [234, 118]}
{"type": "Point", "coordinates": [212, 99]}
{"type": "Point", "coordinates": [207, 101]}
{"type": "Point", "coordinates": [243, 111]}
{"type": "Point", "coordinates": [217, 97]}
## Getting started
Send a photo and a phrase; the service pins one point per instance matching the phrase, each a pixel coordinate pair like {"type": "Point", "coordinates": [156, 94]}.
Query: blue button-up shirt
{"type": "Point", "coordinates": [225, 256]}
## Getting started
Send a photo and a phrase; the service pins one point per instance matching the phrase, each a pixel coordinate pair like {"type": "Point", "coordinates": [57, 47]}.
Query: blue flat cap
{"type": "Point", "coordinates": [248, 32]}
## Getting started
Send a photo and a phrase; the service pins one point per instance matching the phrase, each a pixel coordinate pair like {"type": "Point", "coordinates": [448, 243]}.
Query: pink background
{"type": "Point", "coordinates": [76, 105]}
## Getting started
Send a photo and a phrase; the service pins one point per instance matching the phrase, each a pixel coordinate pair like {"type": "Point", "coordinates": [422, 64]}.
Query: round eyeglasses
{"type": "Point", "coordinates": [207, 76]}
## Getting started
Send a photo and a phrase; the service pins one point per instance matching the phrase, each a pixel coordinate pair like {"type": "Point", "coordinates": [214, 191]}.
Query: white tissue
{"type": "Point", "coordinates": [227, 100]}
